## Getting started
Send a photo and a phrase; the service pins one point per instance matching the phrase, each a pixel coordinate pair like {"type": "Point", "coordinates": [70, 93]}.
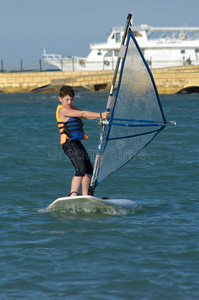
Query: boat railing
{"type": "Point", "coordinates": [173, 35]}
{"type": "Point", "coordinates": [58, 58]}
{"type": "Point", "coordinates": [79, 64]}
{"type": "Point", "coordinates": [52, 57]}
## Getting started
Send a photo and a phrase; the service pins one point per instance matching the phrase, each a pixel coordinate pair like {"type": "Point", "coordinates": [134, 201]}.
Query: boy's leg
{"type": "Point", "coordinates": [80, 159]}
{"type": "Point", "coordinates": [86, 183]}
{"type": "Point", "coordinates": [73, 152]}
{"type": "Point", "coordinates": [83, 166]}
{"type": "Point", "coordinates": [75, 184]}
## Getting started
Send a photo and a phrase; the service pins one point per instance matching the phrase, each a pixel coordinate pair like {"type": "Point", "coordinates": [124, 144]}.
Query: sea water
{"type": "Point", "coordinates": [151, 252]}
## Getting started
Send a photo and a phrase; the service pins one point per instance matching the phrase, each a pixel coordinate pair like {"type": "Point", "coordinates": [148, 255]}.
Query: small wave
{"type": "Point", "coordinates": [112, 211]}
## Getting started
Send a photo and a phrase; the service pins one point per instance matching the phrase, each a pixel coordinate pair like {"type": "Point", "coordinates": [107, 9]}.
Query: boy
{"type": "Point", "coordinates": [71, 134]}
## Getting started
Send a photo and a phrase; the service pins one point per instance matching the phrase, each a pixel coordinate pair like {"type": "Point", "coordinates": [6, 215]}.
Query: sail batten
{"type": "Point", "coordinates": [135, 125]}
{"type": "Point", "coordinates": [134, 120]}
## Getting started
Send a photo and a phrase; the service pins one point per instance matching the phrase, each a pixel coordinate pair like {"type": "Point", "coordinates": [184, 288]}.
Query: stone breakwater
{"type": "Point", "coordinates": [168, 80]}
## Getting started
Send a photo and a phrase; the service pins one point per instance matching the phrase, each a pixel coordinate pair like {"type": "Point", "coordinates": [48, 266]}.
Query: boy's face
{"type": "Point", "coordinates": [66, 101]}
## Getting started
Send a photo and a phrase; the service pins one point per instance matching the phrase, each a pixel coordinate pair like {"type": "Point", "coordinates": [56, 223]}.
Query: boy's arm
{"type": "Point", "coordinates": [66, 113]}
{"type": "Point", "coordinates": [93, 115]}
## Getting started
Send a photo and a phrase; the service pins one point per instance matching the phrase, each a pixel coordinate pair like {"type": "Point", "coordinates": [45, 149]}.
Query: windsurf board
{"type": "Point", "coordinates": [82, 202]}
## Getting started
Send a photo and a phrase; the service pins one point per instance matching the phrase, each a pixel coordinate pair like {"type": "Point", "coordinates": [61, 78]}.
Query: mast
{"type": "Point", "coordinates": [121, 53]}
{"type": "Point", "coordinates": [110, 104]}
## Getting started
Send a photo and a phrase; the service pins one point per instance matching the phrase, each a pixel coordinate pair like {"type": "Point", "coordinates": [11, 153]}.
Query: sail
{"type": "Point", "coordinates": [136, 116]}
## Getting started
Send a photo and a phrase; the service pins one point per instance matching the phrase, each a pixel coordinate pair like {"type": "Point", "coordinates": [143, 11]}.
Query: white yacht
{"type": "Point", "coordinates": [162, 47]}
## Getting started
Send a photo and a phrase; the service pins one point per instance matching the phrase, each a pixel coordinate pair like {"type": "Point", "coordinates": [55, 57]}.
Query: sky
{"type": "Point", "coordinates": [68, 27]}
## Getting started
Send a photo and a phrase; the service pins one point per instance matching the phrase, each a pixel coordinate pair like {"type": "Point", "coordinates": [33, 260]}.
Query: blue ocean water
{"type": "Point", "coordinates": [150, 252]}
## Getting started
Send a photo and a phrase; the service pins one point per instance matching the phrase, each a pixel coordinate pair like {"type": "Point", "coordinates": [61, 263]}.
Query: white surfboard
{"type": "Point", "coordinates": [89, 202]}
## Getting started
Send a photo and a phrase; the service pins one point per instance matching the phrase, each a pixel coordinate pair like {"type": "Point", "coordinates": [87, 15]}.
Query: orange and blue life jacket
{"type": "Point", "coordinates": [71, 129]}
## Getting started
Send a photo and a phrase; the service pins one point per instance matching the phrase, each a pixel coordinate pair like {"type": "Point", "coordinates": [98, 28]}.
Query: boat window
{"type": "Point", "coordinates": [109, 54]}
{"type": "Point", "coordinates": [197, 53]}
{"type": "Point", "coordinates": [117, 37]}
{"type": "Point", "coordinates": [116, 53]}
{"type": "Point", "coordinates": [113, 36]}
{"type": "Point", "coordinates": [99, 53]}
{"type": "Point", "coordinates": [182, 51]}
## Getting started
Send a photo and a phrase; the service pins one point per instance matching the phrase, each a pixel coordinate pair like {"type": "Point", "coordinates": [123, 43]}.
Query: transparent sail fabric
{"type": "Point", "coordinates": [137, 115]}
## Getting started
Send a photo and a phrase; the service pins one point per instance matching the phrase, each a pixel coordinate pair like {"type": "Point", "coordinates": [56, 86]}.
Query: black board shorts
{"type": "Point", "coordinates": [79, 157]}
